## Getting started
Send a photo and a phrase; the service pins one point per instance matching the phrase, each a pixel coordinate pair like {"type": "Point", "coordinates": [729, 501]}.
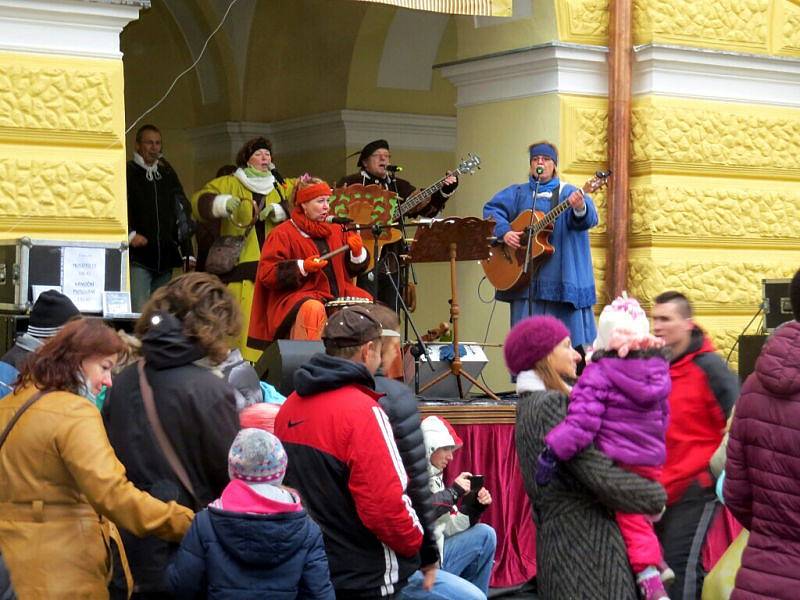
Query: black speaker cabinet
{"type": "Point", "coordinates": [281, 359]}
{"type": "Point", "coordinates": [749, 349]}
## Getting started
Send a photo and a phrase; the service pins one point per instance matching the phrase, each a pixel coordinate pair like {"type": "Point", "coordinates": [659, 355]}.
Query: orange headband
{"type": "Point", "coordinates": [312, 191]}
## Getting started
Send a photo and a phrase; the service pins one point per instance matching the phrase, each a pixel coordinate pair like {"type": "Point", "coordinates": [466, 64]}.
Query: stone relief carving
{"type": "Point", "coordinates": [56, 190]}
{"type": "Point", "coordinates": [717, 283]}
{"type": "Point", "coordinates": [699, 136]}
{"type": "Point", "coordinates": [55, 98]}
{"type": "Point", "coordinates": [686, 211]}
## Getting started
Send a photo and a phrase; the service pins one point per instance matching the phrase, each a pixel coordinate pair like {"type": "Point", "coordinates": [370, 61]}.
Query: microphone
{"type": "Point", "coordinates": [278, 177]}
{"type": "Point", "coordinates": [539, 171]}
{"type": "Point", "coordinates": [394, 168]}
{"type": "Point", "coordinates": [338, 220]}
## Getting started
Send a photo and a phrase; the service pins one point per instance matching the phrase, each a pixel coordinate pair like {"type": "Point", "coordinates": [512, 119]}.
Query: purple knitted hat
{"type": "Point", "coordinates": [530, 340]}
{"type": "Point", "coordinates": [257, 456]}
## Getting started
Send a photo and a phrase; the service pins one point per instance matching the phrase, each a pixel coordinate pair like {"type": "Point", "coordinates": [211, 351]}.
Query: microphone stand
{"type": "Point", "coordinates": [529, 245]}
{"type": "Point", "coordinates": [419, 347]}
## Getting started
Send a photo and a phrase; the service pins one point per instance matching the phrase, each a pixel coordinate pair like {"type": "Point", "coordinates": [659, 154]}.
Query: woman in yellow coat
{"type": "Point", "coordinates": [228, 200]}
{"type": "Point", "coordinates": [60, 481]}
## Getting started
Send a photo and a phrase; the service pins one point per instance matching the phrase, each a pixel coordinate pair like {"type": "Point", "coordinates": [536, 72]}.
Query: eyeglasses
{"type": "Point", "coordinates": [386, 155]}
{"type": "Point", "coordinates": [542, 158]}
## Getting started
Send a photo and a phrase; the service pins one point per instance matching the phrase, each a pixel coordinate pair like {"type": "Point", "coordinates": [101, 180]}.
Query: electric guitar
{"type": "Point", "coordinates": [505, 266]}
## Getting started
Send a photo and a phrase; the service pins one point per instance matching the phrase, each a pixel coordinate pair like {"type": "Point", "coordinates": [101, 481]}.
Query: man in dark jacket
{"type": "Point", "coordinates": [374, 169]}
{"type": "Point", "coordinates": [155, 197]}
{"type": "Point", "coordinates": [400, 405]}
{"type": "Point", "coordinates": [703, 393]}
{"type": "Point", "coordinates": [344, 461]}
{"type": "Point", "coordinates": [196, 408]}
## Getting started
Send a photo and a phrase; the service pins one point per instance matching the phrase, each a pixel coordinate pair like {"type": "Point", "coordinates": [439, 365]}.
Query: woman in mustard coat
{"type": "Point", "coordinates": [60, 481]}
{"type": "Point", "coordinates": [227, 202]}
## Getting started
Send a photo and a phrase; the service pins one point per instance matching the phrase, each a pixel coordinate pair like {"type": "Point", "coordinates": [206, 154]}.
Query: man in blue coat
{"type": "Point", "coordinates": [563, 284]}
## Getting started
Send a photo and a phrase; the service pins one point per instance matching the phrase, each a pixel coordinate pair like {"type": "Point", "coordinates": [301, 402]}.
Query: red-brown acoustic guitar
{"type": "Point", "coordinates": [505, 266]}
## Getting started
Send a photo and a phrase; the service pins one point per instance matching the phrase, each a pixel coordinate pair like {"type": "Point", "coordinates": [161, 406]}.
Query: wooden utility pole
{"type": "Point", "coordinates": [620, 55]}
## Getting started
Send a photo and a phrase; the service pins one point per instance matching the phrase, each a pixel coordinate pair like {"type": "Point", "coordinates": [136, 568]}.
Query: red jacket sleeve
{"type": "Point", "coordinates": [278, 267]}
{"type": "Point", "coordinates": [378, 482]}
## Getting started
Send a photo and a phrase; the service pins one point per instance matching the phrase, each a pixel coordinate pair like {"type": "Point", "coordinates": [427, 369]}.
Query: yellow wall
{"type": "Point", "coordinates": [511, 35]}
{"type": "Point", "coordinates": [62, 160]}
{"type": "Point", "coordinates": [760, 26]}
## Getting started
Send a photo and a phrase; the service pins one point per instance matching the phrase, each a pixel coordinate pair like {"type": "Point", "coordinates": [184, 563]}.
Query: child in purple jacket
{"type": "Point", "coordinates": [620, 403]}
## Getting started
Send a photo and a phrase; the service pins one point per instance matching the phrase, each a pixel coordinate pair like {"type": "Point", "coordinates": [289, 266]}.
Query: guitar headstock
{"type": "Point", "coordinates": [595, 183]}
{"type": "Point", "coordinates": [470, 164]}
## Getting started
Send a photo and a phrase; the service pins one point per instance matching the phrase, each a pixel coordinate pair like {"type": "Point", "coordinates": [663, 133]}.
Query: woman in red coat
{"type": "Point", "coordinates": [292, 284]}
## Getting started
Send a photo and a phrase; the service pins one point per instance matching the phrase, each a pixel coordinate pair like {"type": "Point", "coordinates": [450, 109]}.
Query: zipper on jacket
{"type": "Point", "coordinates": [158, 229]}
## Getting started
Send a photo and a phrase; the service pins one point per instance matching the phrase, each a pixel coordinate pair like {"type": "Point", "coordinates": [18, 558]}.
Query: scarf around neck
{"type": "Point", "coordinates": [314, 229]}
{"type": "Point", "coordinates": [261, 184]}
{"type": "Point", "coordinates": [151, 171]}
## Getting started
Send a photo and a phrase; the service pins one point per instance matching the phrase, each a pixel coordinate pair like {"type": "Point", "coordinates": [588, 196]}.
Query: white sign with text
{"type": "Point", "coordinates": [83, 277]}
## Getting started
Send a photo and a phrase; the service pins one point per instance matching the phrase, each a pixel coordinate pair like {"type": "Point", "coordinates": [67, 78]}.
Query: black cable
{"type": "Point", "coordinates": [746, 327]}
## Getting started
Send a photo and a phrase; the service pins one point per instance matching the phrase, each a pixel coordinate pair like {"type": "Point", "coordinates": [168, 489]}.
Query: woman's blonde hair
{"type": "Point", "coordinates": [208, 311]}
{"type": "Point", "coordinates": [551, 379]}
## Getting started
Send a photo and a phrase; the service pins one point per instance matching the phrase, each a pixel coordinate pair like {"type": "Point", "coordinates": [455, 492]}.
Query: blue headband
{"type": "Point", "coordinates": [544, 150]}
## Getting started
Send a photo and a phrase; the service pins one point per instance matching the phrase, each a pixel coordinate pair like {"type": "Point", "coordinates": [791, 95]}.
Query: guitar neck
{"type": "Point", "coordinates": [421, 196]}
{"type": "Point", "coordinates": [551, 216]}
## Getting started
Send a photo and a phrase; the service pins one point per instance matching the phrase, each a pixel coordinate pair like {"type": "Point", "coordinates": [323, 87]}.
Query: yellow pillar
{"type": "Point", "coordinates": [62, 119]}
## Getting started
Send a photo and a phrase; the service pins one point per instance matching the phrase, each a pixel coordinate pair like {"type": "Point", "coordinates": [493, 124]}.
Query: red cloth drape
{"type": "Point", "coordinates": [489, 450]}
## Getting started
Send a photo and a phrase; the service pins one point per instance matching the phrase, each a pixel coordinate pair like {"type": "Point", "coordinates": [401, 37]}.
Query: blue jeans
{"type": "Point", "coordinates": [143, 283]}
{"type": "Point", "coordinates": [466, 568]}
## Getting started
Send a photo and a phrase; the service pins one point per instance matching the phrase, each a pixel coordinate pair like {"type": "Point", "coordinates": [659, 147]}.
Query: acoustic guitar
{"type": "Point", "coordinates": [505, 266]}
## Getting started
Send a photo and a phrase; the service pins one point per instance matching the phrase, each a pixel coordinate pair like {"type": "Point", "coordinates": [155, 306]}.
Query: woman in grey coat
{"type": "Point", "coordinates": [579, 550]}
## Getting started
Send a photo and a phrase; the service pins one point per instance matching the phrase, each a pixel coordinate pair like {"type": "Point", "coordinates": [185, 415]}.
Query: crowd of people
{"type": "Point", "coordinates": [151, 466]}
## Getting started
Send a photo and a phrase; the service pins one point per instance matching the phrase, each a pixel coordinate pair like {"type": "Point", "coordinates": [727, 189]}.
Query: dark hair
{"type": "Point", "coordinates": [794, 295]}
{"type": "Point", "coordinates": [348, 352]}
{"type": "Point", "coordinates": [680, 301]}
{"type": "Point", "coordinates": [56, 365]}
{"type": "Point", "coordinates": [250, 147]}
{"type": "Point", "coordinates": [144, 128]}
{"type": "Point", "coordinates": [208, 311]}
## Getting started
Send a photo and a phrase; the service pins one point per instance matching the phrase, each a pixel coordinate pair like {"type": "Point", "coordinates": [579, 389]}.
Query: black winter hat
{"type": "Point", "coordinates": [50, 313]}
{"type": "Point", "coordinates": [251, 147]}
{"type": "Point", "coordinates": [367, 150]}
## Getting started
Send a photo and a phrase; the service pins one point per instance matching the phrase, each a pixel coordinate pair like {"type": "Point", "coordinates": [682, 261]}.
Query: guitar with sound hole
{"type": "Point", "coordinates": [505, 266]}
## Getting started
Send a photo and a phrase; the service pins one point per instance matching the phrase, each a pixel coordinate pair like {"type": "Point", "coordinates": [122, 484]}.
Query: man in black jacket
{"type": "Point", "coordinates": [155, 200]}
{"type": "Point", "coordinates": [400, 405]}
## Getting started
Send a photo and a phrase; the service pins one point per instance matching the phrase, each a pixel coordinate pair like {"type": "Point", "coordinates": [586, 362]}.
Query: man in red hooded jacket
{"type": "Point", "coordinates": [703, 393]}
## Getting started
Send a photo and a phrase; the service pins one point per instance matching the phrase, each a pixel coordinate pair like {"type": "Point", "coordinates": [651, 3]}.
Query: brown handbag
{"type": "Point", "coordinates": [223, 255]}
{"type": "Point", "coordinates": [161, 436]}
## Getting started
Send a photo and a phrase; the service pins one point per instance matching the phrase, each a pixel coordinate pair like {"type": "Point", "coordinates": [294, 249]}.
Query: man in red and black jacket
{"type": "Point", "coordinates": [703, 393]}
{"type": "Point", "coordinates": [344, 461]}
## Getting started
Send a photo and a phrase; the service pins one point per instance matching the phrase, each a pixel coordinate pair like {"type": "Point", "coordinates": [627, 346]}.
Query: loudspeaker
{"type": "Point", "coordinates": [472, 362]}
{"type": "Point", "coordinates": [749, 349]}
{"type": "Point", "coordinates": [281, 359]}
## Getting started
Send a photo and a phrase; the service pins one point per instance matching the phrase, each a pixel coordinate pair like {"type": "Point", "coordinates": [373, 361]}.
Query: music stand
{"type": "Point", "coordinates": [452, 240]}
